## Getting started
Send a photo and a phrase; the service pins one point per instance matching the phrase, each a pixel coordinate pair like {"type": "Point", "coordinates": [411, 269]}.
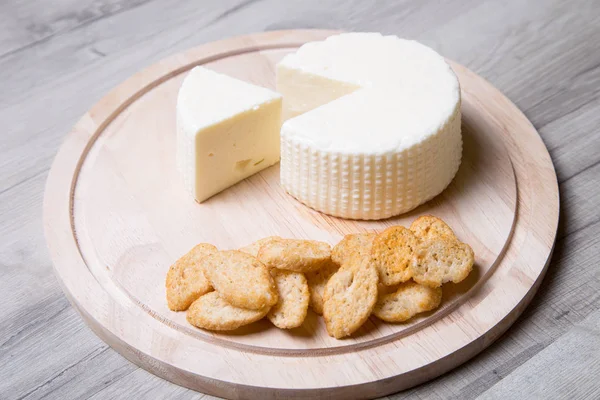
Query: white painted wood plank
{"type": "Point", "coordinates": [580, 199]}
{"type": "Point", "coordinates": [567, 369]}
{"type": "Point", "coordinates": [28, 22]}
{"type": "Point", "coordinates": [143, 385]}
{"type": "Point", "coordinates": [572, 140]}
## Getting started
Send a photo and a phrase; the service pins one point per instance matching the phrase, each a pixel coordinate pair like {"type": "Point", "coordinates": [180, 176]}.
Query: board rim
{"type": "Point", "coordinates": [54, 214]}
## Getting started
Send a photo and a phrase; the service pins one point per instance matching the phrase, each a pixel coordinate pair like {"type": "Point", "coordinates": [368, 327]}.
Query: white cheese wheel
{"type": "Point", "coordinates": [373, 125]}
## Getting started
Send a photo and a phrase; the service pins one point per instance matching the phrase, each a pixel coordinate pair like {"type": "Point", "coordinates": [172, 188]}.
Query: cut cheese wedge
{"type": "Point", "coordinates": [227, 130]}
{"type": "Point", "coordinates": [373, 125]}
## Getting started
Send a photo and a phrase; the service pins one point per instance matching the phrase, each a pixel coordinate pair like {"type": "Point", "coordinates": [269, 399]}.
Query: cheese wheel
{"type": "Point", "coordinates": [373, 125]}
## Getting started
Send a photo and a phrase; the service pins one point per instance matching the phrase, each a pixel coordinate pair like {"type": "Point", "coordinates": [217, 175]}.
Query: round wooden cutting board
{"type": "Point", "coordinates": [117, 216]}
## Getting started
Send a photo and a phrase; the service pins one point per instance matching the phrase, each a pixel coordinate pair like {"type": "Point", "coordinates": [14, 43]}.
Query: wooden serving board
{"type": "Point", "coordinates": [117, 216]}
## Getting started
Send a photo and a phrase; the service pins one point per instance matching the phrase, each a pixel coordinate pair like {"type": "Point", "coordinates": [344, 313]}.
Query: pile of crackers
{"type": "Point", "coordinates": [393, 275]}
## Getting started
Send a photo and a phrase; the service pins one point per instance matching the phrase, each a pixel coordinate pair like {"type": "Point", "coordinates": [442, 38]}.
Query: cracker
{"type": "Point", "coordinates": [292, 306]}
{"type": "Point", "coordinates": [392, 253]}
{"type": "Point", "coordinates": [442, 260]}
{"type": "Point", "coordinates": [349, 298]}
{"type": "Point", "coordinates": [212, 312]}
{"type": "Point", "coordinates": [408, 300]}
{"type": "Point", "coordinates": [430, 227]}
{"type": "Point", "coordinates": [240, 279]}
{"type": "Point", "coordinates": [186, 280]}
{"type": "Point", "coordinates": [317, 280]}
{"type": "Point", "coordinates": [295, 254]}
{"type": "Point", "coordinates": [383, 289]}
{"type": "Point", "coordinates": [254, 247]}
{"type": "Point", "coordinates": [356, 244]}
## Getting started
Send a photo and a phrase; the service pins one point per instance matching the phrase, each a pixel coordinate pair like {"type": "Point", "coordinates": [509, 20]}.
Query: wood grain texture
{"type": "Point", "coordinates": [579, 349]}
{"type": "Point", "coordinates": [104, 217]}
{"type": "Point", "coordinates": [542, 54]}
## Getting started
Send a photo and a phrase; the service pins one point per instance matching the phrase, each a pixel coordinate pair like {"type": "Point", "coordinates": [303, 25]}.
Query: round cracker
{"type": "Point", "coordinates": [349, 298]}
{"type": "Point", "coordinates": [186, 280]}
{"type": "Point", "coordinates": [295, 254]}
{"type": "Point", "coordinates": [430, 227]}
{"type": "Point", "coordinates": [392, 254]}
{"type": "Point", "coordinates": [254, 247]}
{"type": "Point", "coordinates": [292, 306]}
{"type": "Point", "coordinates": [240, 279]}
{"type": "Point", "coordinates": [212, 312]}
{"type": "Point", "coordinates": [408, 300]}
{"type": "Point", "coordinates": [442, 260]}
{"type": "Point", "coordinates": [317, 280]}
{"type": "Point", "coordinates": [352, 245]}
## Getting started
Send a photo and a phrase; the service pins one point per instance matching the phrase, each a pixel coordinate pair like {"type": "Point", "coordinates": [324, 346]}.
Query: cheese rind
{"type": "Point", "coordinates": [383, 149]}
{"type": "Point", "coordinates": [380, 185]}
{"type": "Point", "coordinates": [227, 130]}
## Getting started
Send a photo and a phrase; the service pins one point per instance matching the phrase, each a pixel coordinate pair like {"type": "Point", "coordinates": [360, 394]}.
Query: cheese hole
{"type": "Point", "coordinates": [242, 164]}
{"type": "Point", "coordinates": [211, 154]}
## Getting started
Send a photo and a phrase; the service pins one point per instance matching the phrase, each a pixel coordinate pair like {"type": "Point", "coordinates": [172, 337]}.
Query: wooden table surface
{"type": "Point", "coordinates": [58, 57]}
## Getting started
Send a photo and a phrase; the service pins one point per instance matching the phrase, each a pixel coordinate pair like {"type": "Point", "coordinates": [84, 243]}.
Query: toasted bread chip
{"type": "Point", "coordinates": [240, 279]}
{"type": "Point", "coordinates": [349, 298]}
{"type": "Point", "coordinates": [383, 289]}
{"type": "Point", "coordinates": [408, 300]}
{"type": "Point", "coordinates": [212, 312]}
{"type": "Point", "coordinates": [254, 247]}
{"type": "Point", "coordinates": [442, 260]}
{"type": "Point", "coordinates": [356, 244]}
{"type": "Point", "coordinates": [430, 227]}
{"type": "Point", "coordinates": [186, 280]}
{"type": "Point", "coordinates": [295, 254]}
{"type": "Point", "coordinates": [292, 306]}
{"type": "Point", "coordinates": [317, 280]}
{"type": "Point", "coordinates": [392, 253]}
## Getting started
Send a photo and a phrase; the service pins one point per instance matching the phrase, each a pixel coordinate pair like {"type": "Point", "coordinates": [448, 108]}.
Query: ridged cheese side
{"type": "Point", "coordinates": [371, 186]}
{"type": "Point", "coordinates": [387, 136]}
